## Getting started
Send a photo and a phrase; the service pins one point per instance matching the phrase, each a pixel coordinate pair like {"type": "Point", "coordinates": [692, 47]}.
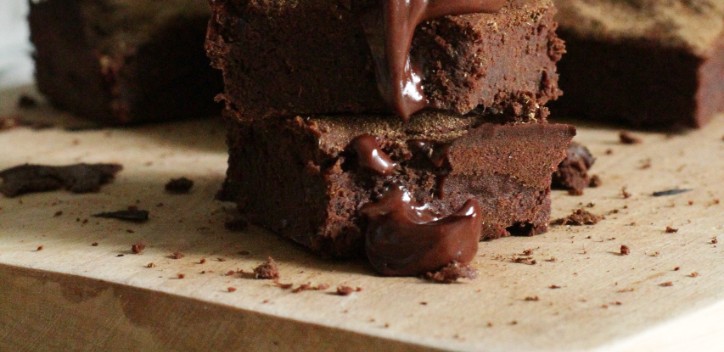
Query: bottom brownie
{"type": "Point", "coordinates": [308, 178]}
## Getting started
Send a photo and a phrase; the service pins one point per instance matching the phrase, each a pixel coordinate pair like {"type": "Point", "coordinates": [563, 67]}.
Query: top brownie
{"type": "Point", "coordinates": [282, 58]}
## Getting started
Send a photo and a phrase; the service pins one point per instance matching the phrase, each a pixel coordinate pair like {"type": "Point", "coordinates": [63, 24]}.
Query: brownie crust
{"type": "Point", "coordinates": [317, 52]}
{"type": "Point", "coordinates": [299, 177]}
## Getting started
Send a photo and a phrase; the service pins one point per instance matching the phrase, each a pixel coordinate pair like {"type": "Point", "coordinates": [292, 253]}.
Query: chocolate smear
{"type": "Point", "coordinates": [407, 239]}
{"type": "Point", "coordinates": [78, 178]}
{"type": "Point", "coordinates": [370, 156]}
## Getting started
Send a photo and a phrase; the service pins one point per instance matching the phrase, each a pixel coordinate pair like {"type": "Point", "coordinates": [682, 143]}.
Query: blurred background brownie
{"type": "Point", "coordinates": [646, 63]}
{"type": "Point", "coordinates": [307, 178]}
{"type": "Point", "coordinates": [121, 61]}
{"type": "Point", "coordinates": [312, 57]}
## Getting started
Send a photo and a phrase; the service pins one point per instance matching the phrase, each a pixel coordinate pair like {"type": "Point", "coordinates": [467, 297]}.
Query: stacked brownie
{"type": "Point", "coordinates": [346, 142]}
{"type": "Point", "coordinates": [121, 61]}
{"type": "Point", "coordinates": [647, 63]}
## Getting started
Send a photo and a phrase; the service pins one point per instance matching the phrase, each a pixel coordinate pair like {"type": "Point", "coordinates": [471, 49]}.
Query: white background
{"type": "Point", "coordinates": [16, 65]}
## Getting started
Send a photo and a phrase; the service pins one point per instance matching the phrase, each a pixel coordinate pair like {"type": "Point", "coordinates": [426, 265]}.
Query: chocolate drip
{"type": "Point", "coordinates": [371, 156]}
{"type": "Point", "coordinates": [405, 239]}
{"type": "Point", "coordinates": [390, 27]}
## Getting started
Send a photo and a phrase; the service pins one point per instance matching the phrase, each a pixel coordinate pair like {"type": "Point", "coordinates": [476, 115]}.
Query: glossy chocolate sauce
{"type": "Point", "coordinates": [404, 238]}
{"type": "Point", "coordinates": [371, 156]}
{"type": "Point", "coordinates": [390, 26]}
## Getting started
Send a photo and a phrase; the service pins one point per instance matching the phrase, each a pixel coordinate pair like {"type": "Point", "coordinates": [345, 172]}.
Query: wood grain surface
{"type": "Point", "coordinates": [581, 294]}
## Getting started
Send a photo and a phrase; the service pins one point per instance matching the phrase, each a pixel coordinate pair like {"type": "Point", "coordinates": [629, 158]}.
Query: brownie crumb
{"type": "Point", "coordinates": [714, 240]}
{"type": "Point", "coordinates": [532, 299]}
{"type": "Point", "coordinates": [595, 181]}
{"type": "Point", "coordinates": [181, 276]}
{"type": "Point", "coordinates": [202, 261]}
{"type": "Point", "coordinates": [237, 224]}
{"type": "Point", "coordinates": [344, 290]}
{"type": "Point", "coordinates": [628, 138]}
{"type": "Point", "coordinates": [308, 287]}
{"type": "Point", "coordinates": [283, 286]}
{"type": "Point", "coordinates": [78, 178]}
{"type": "Point", "coordinates": [231, 289]}
{"type": "Point", "coordinates": [677, 268]}
{"type": "Point", "coordinates": [670, 229]}
{"type": "Point", "coordinates": [670, 192]}
{"type": "Point", "coordinates": [524, 260]}
{"type": "Point", "coordinates": [694, 274]}
{"type": "Point", "coordinates": [138, 247]}
{"type": "Point", "coordinates": [572, 173]}
{"type": "Point", "coordinates": [625, 193]}
{"type": "Point", "coordinates": [579, 217]}
{"type": "Point", "coordinates": [176, 255]}
{"type": "Point", "coordinates": [554, 287]}
{"type": "Point", "coordinates": [624, 250]}
{"type": "Point", "coordinates": [179, 185]}
{"type": "Point", "coordinates": [151, 265]}
{"type": "Point", "coordinates": [40, 248]}
{"type": "Point", "coordinates": [666, 284]}
{"type": "Point", "coordinates": [132, 214]}
{"type": "Point", "coordinates": [94, 244]}
{"type": "Point", "coordinates": [267, 270]}
{"type": "Point", "coordinates": [26, 102]}
{"type": "Point", "coordinates": [452, 273]}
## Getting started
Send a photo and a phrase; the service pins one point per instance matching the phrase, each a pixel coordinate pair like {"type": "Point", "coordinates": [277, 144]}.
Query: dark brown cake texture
{"type": "Point", "coordinates": [120, 61]}
{"type": "Point", "coordinates": [646, 63]}
{"type": "Point", "coordinates": [312, 57]}
{"type": "Point", "coordinates": [572, 173]}
{"type": "Point", "coordinates": [307, 179]}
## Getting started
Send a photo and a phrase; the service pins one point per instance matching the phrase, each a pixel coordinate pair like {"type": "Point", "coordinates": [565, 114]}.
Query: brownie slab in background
{"type": "Point", "coordinates": [304, 178]}
{"type": "Point", "coordinates": [120, 61]}
{"type": "Point", "coordinates": [646, 63]}
{"type": "Point", "coordinates": [312, 57]}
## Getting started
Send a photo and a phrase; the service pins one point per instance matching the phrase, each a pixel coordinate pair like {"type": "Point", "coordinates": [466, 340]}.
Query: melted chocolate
{"type": "Point", "coordinates": [390, 27]}
{"type": "Point", "coordinates": [405, 239]}
{"type": "Point", "coordinates": [371, 156]}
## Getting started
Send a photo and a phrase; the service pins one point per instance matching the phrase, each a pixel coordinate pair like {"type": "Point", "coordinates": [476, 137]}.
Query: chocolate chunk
{"type": "Point", "coordinates": [579, 217]}
{"type": "Point", "coordinates": [452, 273]}
{"type": "Point", "coordinates": [404, 238]}
{"type": "Point", "coordinates": [389, 27]}
{"type": "Point", "coordinates": [371, 156]}
{"type": "Point", "coordinates": [131, 214]}
{"type": "Point", "coordinates": [179, 185]}
{"type": "Point", "coordinates": [78, 178]}
{"type": "Point", "coordinates": [670, 192]}
{"type": "Point", "coordinates": [572, 172]}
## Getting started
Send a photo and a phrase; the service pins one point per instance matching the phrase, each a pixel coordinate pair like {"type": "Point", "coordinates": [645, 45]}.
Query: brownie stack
{"type": "Point", "coordinates": [326, 151]}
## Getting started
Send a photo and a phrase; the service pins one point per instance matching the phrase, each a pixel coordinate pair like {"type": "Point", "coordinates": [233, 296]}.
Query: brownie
{"type": "Point", "coordinates": [312, 57]}
{"type": "Point", "coordinates": [645, 63]}
{"type": "Point", "coordinates": [307, 178]}
{"type": "Point", "coordinates": [121, 61]}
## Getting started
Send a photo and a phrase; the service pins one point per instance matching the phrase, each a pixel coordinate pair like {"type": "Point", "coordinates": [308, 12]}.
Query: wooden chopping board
{"type": "Point", "coordinates": [667, 294]}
